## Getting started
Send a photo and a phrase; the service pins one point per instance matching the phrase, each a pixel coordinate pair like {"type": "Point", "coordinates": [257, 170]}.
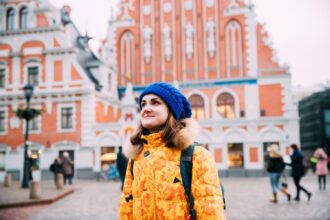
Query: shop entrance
{"type": "Point", "coordinates": [235, 155]}
{"type": "Point", "coordinates": [108, 162]}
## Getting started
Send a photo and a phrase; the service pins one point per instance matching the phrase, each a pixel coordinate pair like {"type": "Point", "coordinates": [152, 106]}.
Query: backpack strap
{"type": "Point", "coordinates": [186, 163]}
{"type": "Point", "coordinates": [131, 168]}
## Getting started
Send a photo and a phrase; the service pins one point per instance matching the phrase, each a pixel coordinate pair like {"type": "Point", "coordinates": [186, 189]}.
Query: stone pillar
{"type": "Point", "coordinates": [59, 181]}
{"type": "Point", "coordinates": [7, 182]}
{"type": "Point", "coordinates": [35, 190]}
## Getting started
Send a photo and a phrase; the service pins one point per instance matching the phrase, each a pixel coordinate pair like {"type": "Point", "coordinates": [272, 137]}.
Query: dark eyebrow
{"type": "Point", "coordinates": [153, 99]}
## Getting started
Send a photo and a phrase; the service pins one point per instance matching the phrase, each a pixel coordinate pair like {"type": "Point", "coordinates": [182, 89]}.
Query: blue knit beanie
{"type": "Point", "coordinates": [177, 103]}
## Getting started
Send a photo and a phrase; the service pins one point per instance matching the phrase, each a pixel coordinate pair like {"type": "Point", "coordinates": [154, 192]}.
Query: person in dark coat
{"type": "Point", "coordinates": [121, 166]}
{"type": "Point", "coordinates": [298, 171]}
{"type": "Point", "coordinates": [67, 165]}
{"type": "Point", "coordinates": [275, 168]}
{"type": "Point", "coordinates": [56, 167]}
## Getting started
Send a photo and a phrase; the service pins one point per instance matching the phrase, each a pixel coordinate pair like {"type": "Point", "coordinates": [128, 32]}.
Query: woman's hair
{"type": "Point", "coordinates": [169, 130]}
{"type": "Point", "coordinates": [294, 146]}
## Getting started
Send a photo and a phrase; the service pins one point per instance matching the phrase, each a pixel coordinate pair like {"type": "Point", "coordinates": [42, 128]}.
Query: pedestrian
{"type": "Point", "coordinates": [275, 167]}
{"type": "Point", "coordinates": [321, 167]}
{"type": "Point", "coordinates": [154, 188]}
{"type": "Point", "coordinates": [56, 168]}
{"type": "Point", "coordinates": [298, 171]}
{"type": "Point", "coordinates": [67, 166]}
{"type": "Point", "coordinates": [121, 166]}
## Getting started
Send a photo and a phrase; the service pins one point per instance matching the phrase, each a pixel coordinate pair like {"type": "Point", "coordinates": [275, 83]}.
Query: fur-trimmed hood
{"type": "Point", "coordinates": [184, 138]}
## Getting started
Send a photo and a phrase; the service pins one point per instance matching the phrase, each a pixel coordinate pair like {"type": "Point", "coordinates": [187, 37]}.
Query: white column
{"type": "Point", "coordinates": [252, 57]}
{"type": "Point", "coordinates": [87, 120]}
{"type": "Point", "coordinates": [252, 101]}
{"type": "Point", "coordinates": [16, 66]}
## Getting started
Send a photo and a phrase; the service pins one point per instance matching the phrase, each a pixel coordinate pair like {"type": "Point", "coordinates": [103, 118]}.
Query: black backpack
{"type": "Point", "coordinates": [186, 174]}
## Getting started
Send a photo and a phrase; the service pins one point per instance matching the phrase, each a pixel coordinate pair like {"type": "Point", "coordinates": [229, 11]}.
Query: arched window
{"type": "Point", "coordinates": [226, 105]}
{"type": "Point", "coordinates": [234, 52]}
{"type": "Point", "coordinates": [10, 19]}
{"type": "Point", "coordinates": [197, 105]}
{"type": "Point", "coordinates": [127, 58]}
{"type": "Point", "coordinates": [23, 18]}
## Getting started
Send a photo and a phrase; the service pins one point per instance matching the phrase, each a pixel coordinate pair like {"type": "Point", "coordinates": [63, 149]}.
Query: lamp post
{"type": "Point", "coordinates": [28, 92]}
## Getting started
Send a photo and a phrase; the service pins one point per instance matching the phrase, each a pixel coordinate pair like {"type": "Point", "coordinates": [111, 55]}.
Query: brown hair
{"type": "Point", "coordinates": [294, 146]}
{"type": "Point", "coordinates": [169, 130]}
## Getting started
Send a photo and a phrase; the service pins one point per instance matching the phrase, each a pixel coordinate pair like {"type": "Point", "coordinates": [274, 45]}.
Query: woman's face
{"type": "Point", "coordinates": [154, 112]}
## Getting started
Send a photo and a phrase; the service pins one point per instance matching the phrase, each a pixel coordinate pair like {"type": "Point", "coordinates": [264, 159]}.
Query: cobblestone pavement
{"type": "Point", "coordinates": [247, 199]}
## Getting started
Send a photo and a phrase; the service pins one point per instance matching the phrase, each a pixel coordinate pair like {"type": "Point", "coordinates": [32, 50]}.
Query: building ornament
{"type": "Point", "coordinates": [210, 31]}
{"type": "Point", "coordinates": [126, 6]}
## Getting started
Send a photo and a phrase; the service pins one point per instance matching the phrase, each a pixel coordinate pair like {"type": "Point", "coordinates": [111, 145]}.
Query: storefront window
{"type": "Point", "coordinates": [235, 155]}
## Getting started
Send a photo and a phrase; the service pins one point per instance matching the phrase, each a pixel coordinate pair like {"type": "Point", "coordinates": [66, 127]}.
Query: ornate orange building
{"type": "Point", "coordinates": [222, 59]}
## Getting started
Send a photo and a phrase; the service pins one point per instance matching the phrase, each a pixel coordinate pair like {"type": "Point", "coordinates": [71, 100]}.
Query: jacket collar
{"type": "Point", "coordinates": [183, 139]}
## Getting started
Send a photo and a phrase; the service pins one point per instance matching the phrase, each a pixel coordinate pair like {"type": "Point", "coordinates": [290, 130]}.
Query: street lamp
{"type": "Point", "coordinates": [28, 92]}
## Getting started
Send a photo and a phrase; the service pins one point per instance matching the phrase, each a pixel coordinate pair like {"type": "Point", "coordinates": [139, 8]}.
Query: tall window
{"type": "Point", "coordinates": [127, 58]}
{"type": "Point", "coordinates": [2, 121]}
{"type": "Point", "coordinates": [23, 18]}
{"type": "Point", "coordinates": [226, 105]}
{"type": "Point", "coordinates": [10, 19]}
{"type": "Point", "coordinates": [2, 78]}
{"type": "Point", "coordinates": [33, 75]}
{"type": "Point", "coordinates": [66, 118]}
{"type": "Point", "coordinates": [197, 105]}
{"type": "Point", "coordinates": [234, 61]}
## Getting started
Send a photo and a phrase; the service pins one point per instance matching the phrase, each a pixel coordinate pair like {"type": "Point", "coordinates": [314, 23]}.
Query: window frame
{"type": "Point", "coordinates": [226, 104]}
{"type": "Point", "coordinates": [5, 68]}
{"type": "Point", "coordinates": [59, 117]}
{"type": "Point", "coordinates": [25, 16]}
{"type": "Point", "coordinates": [10, 26]}
{"type": "Point", "coordinates": [32, 63]}
{"type": "Point", "coordinates": [200, 107]}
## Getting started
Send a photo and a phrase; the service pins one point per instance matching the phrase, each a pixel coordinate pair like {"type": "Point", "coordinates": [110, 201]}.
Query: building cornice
{"type": "Point", "coordinates": [33, 31]}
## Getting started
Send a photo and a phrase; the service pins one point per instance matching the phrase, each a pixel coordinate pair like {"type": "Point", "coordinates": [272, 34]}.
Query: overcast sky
{"type": "Point", "coordinates": [299, 29]}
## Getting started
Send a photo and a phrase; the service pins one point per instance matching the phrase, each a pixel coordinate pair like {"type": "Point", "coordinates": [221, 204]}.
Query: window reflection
{"type": "Point", "coordinates": [197, 106]}
{"type": "Point", "coordinates": [225, 105]}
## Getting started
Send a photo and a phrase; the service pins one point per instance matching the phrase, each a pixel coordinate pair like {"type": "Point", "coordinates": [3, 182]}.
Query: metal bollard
{"type": "Point", "coordinates": [7, 182]}
{"type": "Point", "coordinates": [59, 181]}
{"type": "Point", "coordinates": [35, 190]}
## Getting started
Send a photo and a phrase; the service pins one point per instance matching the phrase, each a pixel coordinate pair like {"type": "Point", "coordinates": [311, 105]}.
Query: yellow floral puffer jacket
{"type": "Point", "coordinates": [157, 192]}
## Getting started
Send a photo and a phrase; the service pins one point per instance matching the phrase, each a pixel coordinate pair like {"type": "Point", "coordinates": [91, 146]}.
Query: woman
{"type": "Point", "coordinates": [155, 191]}
{"type": "Point", "coordinates": [321, 166]}
{"type": "Point", "coordinates": [298, 171]}
{"type": "Point", "coordinates": [275, 167]}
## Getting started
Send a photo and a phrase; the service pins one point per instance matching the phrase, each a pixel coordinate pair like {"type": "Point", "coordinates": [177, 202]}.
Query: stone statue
{"type": "Point", "coordinates": [147, 35]}
{"type": "Point", "coordinates": [167, 42]}
{"type": "Point", "coordinates": [189, 31]}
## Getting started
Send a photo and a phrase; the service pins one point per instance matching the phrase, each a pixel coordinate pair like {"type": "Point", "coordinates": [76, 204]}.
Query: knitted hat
{"type": "Point", "coordinates": [176, 102]}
